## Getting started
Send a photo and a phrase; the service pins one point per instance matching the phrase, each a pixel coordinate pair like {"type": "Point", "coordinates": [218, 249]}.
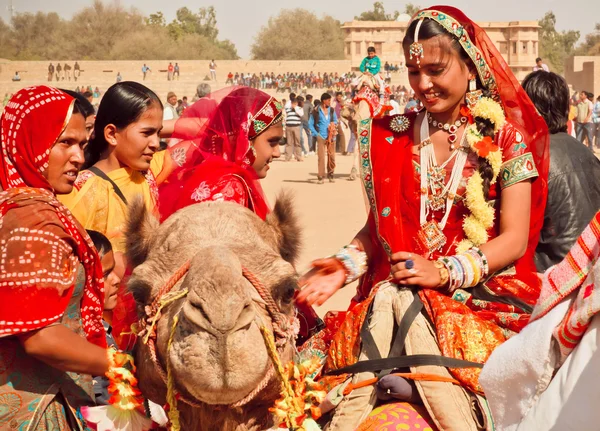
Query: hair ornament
{"type": "Point", "coordinates": [416, 48]}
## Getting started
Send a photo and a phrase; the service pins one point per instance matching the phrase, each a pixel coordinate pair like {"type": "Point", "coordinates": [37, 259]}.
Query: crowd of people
{"type": "Point", "coordinates": [478, 259]}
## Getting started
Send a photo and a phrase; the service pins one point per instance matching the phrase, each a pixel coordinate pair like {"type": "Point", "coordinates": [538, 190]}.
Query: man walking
{"type": "Point", "coordinates": [540, 65]}
{"type": "Point", "coordinates": [323, 125]}
{"type": "Point", "coordinates": [145, 70]}
{"type": "Point", "coordinates": [583, 127]}
{"type": "Point", "coordinates": [212, 67]}
{"type": "Point", "coordinates": [170, 70]}
{"type": "Point", "coordinates": [308, 110]}
{"type": "Point", "coordinates": [293, 121]}
{"type": "Point", "coordinates": [50, 72]}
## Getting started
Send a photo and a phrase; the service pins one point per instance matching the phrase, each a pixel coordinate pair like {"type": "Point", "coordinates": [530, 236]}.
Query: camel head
{"type": "Point", "coordinates": [216, 351]}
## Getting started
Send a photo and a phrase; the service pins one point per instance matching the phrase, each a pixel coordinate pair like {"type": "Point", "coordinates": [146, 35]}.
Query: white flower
{"type": "Point", "coordinates": [111, 418]}
{"type": "Point", "coordinates": [202, 192]}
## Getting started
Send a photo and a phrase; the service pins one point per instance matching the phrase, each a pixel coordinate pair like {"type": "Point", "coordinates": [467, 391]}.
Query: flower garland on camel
{"type": "Point", "coordinates": [482, 214]}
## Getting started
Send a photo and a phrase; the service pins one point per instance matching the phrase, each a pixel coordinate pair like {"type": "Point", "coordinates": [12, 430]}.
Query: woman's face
{"type": "Point", "coordinates": [441, 81]}
{"type": "Point", "coordinates": [137, 143]}
{"type": "Point", "coordinates": [66, 156]}
{"type": "Point", "coordinates": [89, 126]}
{"type": "Point", "coordinates": [266, 146]}
{"type": "Point", "coordinates": [111, 281]}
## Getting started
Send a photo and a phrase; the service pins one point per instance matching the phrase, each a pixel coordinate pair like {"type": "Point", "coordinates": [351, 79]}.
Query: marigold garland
{"type": "Point", "coordinates": [482, 214]}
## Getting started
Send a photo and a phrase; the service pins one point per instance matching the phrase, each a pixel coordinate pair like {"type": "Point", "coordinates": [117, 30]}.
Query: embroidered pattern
{"type": "Point", "coordinates": [399, 123]}
{"type": "Point", "coordinates": [454, 27]}
{"type": "Point", "coordinates": [518, 169]}
{"type": "Point", "coordinates": [202, 192]}
{"type": "Point", "coordinates": [178, 156]}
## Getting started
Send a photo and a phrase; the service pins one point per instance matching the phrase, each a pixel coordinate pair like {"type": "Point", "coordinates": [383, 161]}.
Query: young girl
{"type": "Point", "coordinates": [457, 195]}
{"type": "Point", "coordinates": [122, 161]}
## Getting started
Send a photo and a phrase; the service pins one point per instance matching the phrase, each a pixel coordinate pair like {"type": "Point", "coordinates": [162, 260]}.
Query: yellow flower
{"type": "Point", "coordinates": [495, 160]}
{"type": "Point", "coordinates": [491, 110]}
{"type": "Point", "coordinates": [463, 246]}
{"type": "Point", "coordinates": [476, 202]}
{"type": "Point", "coordinates": [475, 231]}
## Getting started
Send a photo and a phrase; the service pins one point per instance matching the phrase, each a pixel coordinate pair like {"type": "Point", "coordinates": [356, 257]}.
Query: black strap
{"type": "Point", "coordinates": [404, 362]}
{"type": "Point", "coordinates": [116, 188]}
{"type": "Point", "coordinates": [409, 317]}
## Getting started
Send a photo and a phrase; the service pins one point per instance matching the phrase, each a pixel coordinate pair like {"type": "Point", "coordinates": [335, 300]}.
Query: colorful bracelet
{"type": "Point", "coordinates": [466, 269]}
{"type": "Point", "coordinates": [354, 260]}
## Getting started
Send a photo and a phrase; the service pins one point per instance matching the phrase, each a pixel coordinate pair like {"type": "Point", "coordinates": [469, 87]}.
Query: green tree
{"type": "Point", "coordinates": [591, 45]}
{"type": "Point", "coordinates": [555, 46]}
{"type": "Point", "coordinates": [377, 14]}
{"type": "Point", "coordinates": [411, 9]}
{"type": "Point", "coordinates": [285, 37]}
{"type": "Point", "coordinates": [156, 19]}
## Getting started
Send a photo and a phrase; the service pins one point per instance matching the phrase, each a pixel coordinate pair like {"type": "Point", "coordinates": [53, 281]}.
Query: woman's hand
{"type": "Point", "coordinates": [410, 268]}
{"type": "Point", "coordinates": [325, 278]}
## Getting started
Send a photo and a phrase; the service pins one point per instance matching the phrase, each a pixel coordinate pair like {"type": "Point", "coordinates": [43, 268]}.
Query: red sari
{"type": "Point", "coordinates": [471, 323]}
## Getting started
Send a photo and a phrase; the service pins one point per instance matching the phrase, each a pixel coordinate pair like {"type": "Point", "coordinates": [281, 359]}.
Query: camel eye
{"type": "Point", "coordinates": [285, 290]}
{"type": "Point", "coordinates": [288, 293]}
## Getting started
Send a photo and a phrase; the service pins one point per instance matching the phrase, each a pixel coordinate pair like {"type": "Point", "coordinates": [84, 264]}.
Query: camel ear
{"type": "Point", "coordinates": [284, 221]}
{"type": "Point", "coordinates": [139, 231]}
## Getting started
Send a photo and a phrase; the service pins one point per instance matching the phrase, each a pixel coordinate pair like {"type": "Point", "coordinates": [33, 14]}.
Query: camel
{"type": "Point", "coordinates": [208, 341]}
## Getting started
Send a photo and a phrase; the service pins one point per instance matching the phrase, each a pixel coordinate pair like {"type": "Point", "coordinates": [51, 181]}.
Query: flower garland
{"type": "Point", "coordinates": [482, 214]}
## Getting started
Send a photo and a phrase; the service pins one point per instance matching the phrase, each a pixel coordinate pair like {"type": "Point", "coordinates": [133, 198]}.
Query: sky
{"type": "Point", "coordinates": [240, 20]}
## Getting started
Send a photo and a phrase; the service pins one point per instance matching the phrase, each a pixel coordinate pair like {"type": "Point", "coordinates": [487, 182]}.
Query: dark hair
{"type": "Point", "coordinates": [589, 95]}
{"type": "Point", "coordinates": [101, 242]}
{"type": "Point", "coordinates": [392, 97]}
{"type": "Point", "coordinates": [88, 94]}
{"type": "Point", "coordinates": [339, 93]}
{"type": "Point", "coordinates": [83, 105]}
{"type": "Point", "coordinates": [430, 29]}
{"type": "Point", "coordinates": [538, 59]}
{"type": "Point", "coordinates": [371, 49]}
{"type": "Point", "coordinates": [122, 104]}
{"type": "Point", "coordinates": [309, 97]}
{"type": "Point", "coordinates": [549, 93]}
{"type": "Point", "coordinates": [325, 96]}
{"type": "Point", "coordinates": [292, 96]}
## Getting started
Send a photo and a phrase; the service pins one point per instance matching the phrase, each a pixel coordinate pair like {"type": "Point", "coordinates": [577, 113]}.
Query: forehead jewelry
{"type": "Point", "coordinates": [416, 48]}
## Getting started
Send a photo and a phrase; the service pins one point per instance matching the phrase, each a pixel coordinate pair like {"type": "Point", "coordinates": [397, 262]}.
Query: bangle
{"type": "Point", "coordinates": [444, 273]}
{"type": "Point", "coordinates": [354, 260]}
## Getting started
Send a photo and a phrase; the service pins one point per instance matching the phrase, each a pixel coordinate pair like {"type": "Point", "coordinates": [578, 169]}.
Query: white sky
{"type": "Point", "coordinates": [240, 20]}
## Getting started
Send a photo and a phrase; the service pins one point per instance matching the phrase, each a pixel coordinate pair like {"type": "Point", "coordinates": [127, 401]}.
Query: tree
{"type": "Point", "coordinates": [284, 38]}
{"type": "Point", "coordinates": [411, 9]}
{"type": "Point", "coordinates": [156, 19]}
{"type": "Point", "coordinates": [377, 14]}
{"type": "Point", "coordinates": [555, 46]}
{"type": "Point", "coordinates": [591, 45]}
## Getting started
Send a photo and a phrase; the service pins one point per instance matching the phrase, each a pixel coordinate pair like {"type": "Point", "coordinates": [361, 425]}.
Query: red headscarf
{"type": "Point", "coordinates": [216, 132]}
{"type": "Point", "coordinates": [41, 242]}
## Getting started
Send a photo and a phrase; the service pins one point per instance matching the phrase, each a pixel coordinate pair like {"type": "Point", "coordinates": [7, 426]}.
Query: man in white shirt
{"type": "Point", "coordinates": [293, 123]}
{"type": "Point", "coordinates": [395, 105]}
{"type": "Point", "coordinates": [170, 112]}
{"type": "Point", "coordinates": [539, 65]}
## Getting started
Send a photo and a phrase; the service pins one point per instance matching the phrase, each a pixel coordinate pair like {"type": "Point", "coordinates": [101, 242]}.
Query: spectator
{"type": "Point", "coordinates": [340, 142]}
{"type": "Point", "coordinates": [176, 71]}
{"type": "Point", "coordinates": [584, 124]}
{"type": "Point", "coordinates": [293, 123]}
{"type": "Point", "coordinates": [323, 124]}
{"type": "Point", "coordinates": [89, 96]}
{"type": "Point", "coordinates": [58, 71]}
{"type": "Point", "coordinates": [119, 77]}
{"type": "Point", "coordinates": [179, 107]}
{"type": "Point", "coordinates": [50, 72]}
{"type": "Point", "coordinates": [96, 92]}
{"type": "Point", "coordinates": [596, 122]}
{"type": "Point", "coordinates": [229, 79]}
{"type": "Point", "coordinates": [212, 67]}
{"type": "Point", "coordinates": [16, 77]}
{"type": "Point", "coordinates": [395, 106]}
{"type": "Point", "coordinates": [68, 71]}
{"type": "Point", "coordinates": [170, 70]}
{"type": "Point", "coordinates": [574, 175]}
{"type": "Point", "coordinates": [308, 110]}
{"type": "Point", "coordinates": [185, 103]}
{"type": "Point", "coordinates": [76, 71]}
{"type": "Point", "coordinates": [539, 65]}
{"type": "Point", "coordinates": [202, 90]}
{"type": "Point", "coordinates": [170, 112]}
{"type": "Point", "coordinates": [145, 70]}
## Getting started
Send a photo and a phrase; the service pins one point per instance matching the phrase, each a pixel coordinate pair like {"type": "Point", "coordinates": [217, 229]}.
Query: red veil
{"type": "Point", "coordinates": [398, 232]}
{"type": "Point", "coordinates": [216, 134]}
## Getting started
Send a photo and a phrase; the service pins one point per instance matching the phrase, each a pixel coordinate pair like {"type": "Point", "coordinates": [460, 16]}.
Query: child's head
{"type": "Point", "coordinates": [127, 126]}
{"type": "Point", "coordinates": [107, 258]}
{"type": "Point", "coordinates": [371, 52]}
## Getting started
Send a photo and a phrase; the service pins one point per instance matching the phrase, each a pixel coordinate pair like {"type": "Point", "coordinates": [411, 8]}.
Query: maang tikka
{"type": "Point", "coordinates": [416, 48]}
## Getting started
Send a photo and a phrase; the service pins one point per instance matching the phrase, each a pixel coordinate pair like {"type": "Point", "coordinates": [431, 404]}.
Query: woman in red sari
{"type": "Point", "coordinates": [229, 138]}
{"type": "Point", "coordinates": [457, 194]}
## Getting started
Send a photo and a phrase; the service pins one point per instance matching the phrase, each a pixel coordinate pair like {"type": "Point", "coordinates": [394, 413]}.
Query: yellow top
{"type": "Point", "coordinates": [96, 205]}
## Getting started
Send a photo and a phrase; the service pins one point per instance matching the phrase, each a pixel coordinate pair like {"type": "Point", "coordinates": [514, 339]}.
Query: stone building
{"type": "Point", "coordinates": [517, 41]}
{"type": "Point", "coordinates": [583, 73]}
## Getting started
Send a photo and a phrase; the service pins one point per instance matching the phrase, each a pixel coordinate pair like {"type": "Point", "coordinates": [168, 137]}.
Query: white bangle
{"type": "Point", "coordinates": [354, 260]}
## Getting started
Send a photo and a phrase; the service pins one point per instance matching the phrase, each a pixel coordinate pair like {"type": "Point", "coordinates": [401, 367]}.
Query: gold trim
{"type": "Point", "coordinates": [516, 170]}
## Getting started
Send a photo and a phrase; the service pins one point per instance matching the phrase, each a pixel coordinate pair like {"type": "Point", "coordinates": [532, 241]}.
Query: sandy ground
{"type": "Point", "coordinates": [330, 213]}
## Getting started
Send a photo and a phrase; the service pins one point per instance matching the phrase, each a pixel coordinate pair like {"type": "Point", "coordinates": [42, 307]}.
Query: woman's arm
{"type": "Point", "coordinates": [61, 348]}
{"type": "Point", "coordinates": [506, 248]}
